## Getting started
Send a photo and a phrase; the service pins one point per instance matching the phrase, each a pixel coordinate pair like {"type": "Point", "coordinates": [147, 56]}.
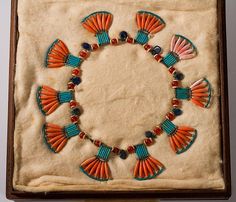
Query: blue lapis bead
{"type": "Point", "coordinates": [178, 76]}
{"type": "Point", "coordinates": [156, 50]}
{"type": "Point", "coordinates": [123, 35]}
{"type": "Point", "coordinates": [76, 80]}
{"type": "Point", "coordinates": [76, 111]}
{"type": "Point", "coordinates": [149, 134]}
{"type": "Point", "coordinates": [123, 154]}
{"type": "Point", "coordinates": [86, 46]}
{"type": "Point", "coordinates": [177, 111]}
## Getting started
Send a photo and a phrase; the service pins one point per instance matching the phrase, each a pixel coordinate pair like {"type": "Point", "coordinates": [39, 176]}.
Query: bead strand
{"type": "Point", "coordinates": [150, 135]}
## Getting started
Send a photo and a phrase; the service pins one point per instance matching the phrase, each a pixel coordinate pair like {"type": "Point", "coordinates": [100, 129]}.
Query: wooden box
{"type": "Point", "coordinates": [160, 194]}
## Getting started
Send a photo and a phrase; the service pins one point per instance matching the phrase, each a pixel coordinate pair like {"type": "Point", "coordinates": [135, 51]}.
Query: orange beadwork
{"type": "Point", "coordinates": [149, 22]}
{"type": "Point", "coordinates": [97, 167]}
{"type": "Point", "coordinates": [47, 99]}
{"type": "Point", "coordinates": [97, 22]}
{"type": "Point", "coordinates": [58, 55]}
{"type": "Point", "coordinates": [201, 93]}
{"type": "Point", "coordinates": [146, 167]}
{"type": "Point", "coordinates": [181, 138]}
{"type": "Point", "coordinates": [56, 137]}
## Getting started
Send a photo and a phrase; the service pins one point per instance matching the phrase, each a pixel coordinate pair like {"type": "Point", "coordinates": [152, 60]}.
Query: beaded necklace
{"type": "Point", "coordinates": [180, 137]}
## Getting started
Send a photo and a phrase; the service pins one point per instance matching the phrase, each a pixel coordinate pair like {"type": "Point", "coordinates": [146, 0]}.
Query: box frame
{"type": "Point", "coordinates": [160, 194]}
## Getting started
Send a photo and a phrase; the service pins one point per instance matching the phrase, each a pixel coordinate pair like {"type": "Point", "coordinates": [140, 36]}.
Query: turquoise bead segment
{"type": "Point", "coordinates": [209, 91]}
{"type": "Point", "coordinates": [65, 96]}
{"type": "Point", "coordinates": [168, 127]}
{"type": "Point", "coordinates": [103, 38]}
{"type": "Point", "coordinates": [71, 130]}
{"type": "Point", "coordinates": [182, 93]}
{"type": "Point", "coordinates": [39, 100]}
{"type": "Point", "coordinates": [104, 152]}
{"type": "Point", "coordinates": [142, 37]}
{"type": "Point", "coordinates": [73, 61]}
{"type": "Point", "coordinates": [141, 151]}
{"type": "Point", "coordinates": [170, 59]}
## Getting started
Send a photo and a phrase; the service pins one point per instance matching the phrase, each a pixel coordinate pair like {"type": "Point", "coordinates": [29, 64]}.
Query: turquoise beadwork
{"type": "Point", "coordinates": [65, 96]}
{"type": "Point", "coordinates": [103, 38]}
{"type": "Point", "coordinates": [182, 93]}
{"type": "Point", "coordinates": [142, 37]}
{"type": "Point", "coordinates": [141, 151]}
{"type": "Point", "coordinates": [104, 152]}
{"type": "Point", "coordinates": [39, 101]}
{"type": "Point", "coordinates": [170, 59]}
{"type": "Point", "coordinates": [168, 127]}
{"type": "Point", "coordinates": [207, 104]}
{"type": "Point", "coordinates": [73, 61]}
{"type": "Point", "coordinates": [71, 130]}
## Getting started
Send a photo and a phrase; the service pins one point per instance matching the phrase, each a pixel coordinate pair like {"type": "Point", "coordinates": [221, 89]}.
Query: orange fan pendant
{"type": "Point", "coordinates": [146, 167]}
{"type": "Point", "coordinates": [97, 167]}
{"type": "Point", "coordinates": [148, 23]}
{"type": "Point", "coordinates": [198, 93]}
{"type": "Point", "coordinates": [181, 138]}
{"type": "Point", "coordinates": [181, 48]}
{"type": "Point", "coordinates": [99, 23]}
{"type": "Point", "coordinates": [56, 137]}
{"type": "Point", "coordinates": [49, 99]}
{"type": "Point", "coordinates": [58, 55]}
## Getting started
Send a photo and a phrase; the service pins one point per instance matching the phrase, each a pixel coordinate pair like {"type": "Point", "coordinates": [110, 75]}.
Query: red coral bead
{"type": "Point", "coordinates": [170, 116]}
{"type": "Point", "coordinates": [95, 46]}
{"type": "Point", "coordinates": [171, 70]}
{"type": "Point", "coordinates": [158, 58]}
{"type": "Point", "coordinates": [76, 72]}
{"type": "Point", "coordinates": [131, 149]}
{"type": "Point", "coordinates": [115, 150]}
{"type": "Point", "coordinates": [73, 103]}
{"type": "Point", "coordinates": [83, 54]}
{"type": "Point", "coordinates": [175, 84]}
{"type": "Point", "coordinates": [157, 130]}
{"type": "Point", "coordinates": [130, 40]}
{"type": "Point", "coordinates": [74, 119]}
{"type": "Point", "coordinates": [97, 143]}
{"type": "Point", "coordinates": [71, 86]}
{"type": "Point", "coordinates": [176, 102]}
{"type": "Point", "coordinates": [82, 135]}
{"type": "Point", "coordinates": [147, 47]}
{"type": "Point", "coordinates": [114, 41]}
{"type": "Point", "coordinates": [148, 141]}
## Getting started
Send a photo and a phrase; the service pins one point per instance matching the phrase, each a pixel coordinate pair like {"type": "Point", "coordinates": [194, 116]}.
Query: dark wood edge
{"type": "Point", "coordinates": [11, 106]}
{"type": "Point", "coordinates": [160, 194]}
{"type": "Point", "coordinates": [224, 103]}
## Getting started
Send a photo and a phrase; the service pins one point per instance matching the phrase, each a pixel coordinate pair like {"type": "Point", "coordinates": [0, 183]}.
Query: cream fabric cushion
{"type": "Point", "coordinates": [124, 92]}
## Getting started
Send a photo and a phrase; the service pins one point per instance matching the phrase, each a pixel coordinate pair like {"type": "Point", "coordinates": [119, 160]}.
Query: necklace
{"type": "Point", "coordinates": [180, 137]}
